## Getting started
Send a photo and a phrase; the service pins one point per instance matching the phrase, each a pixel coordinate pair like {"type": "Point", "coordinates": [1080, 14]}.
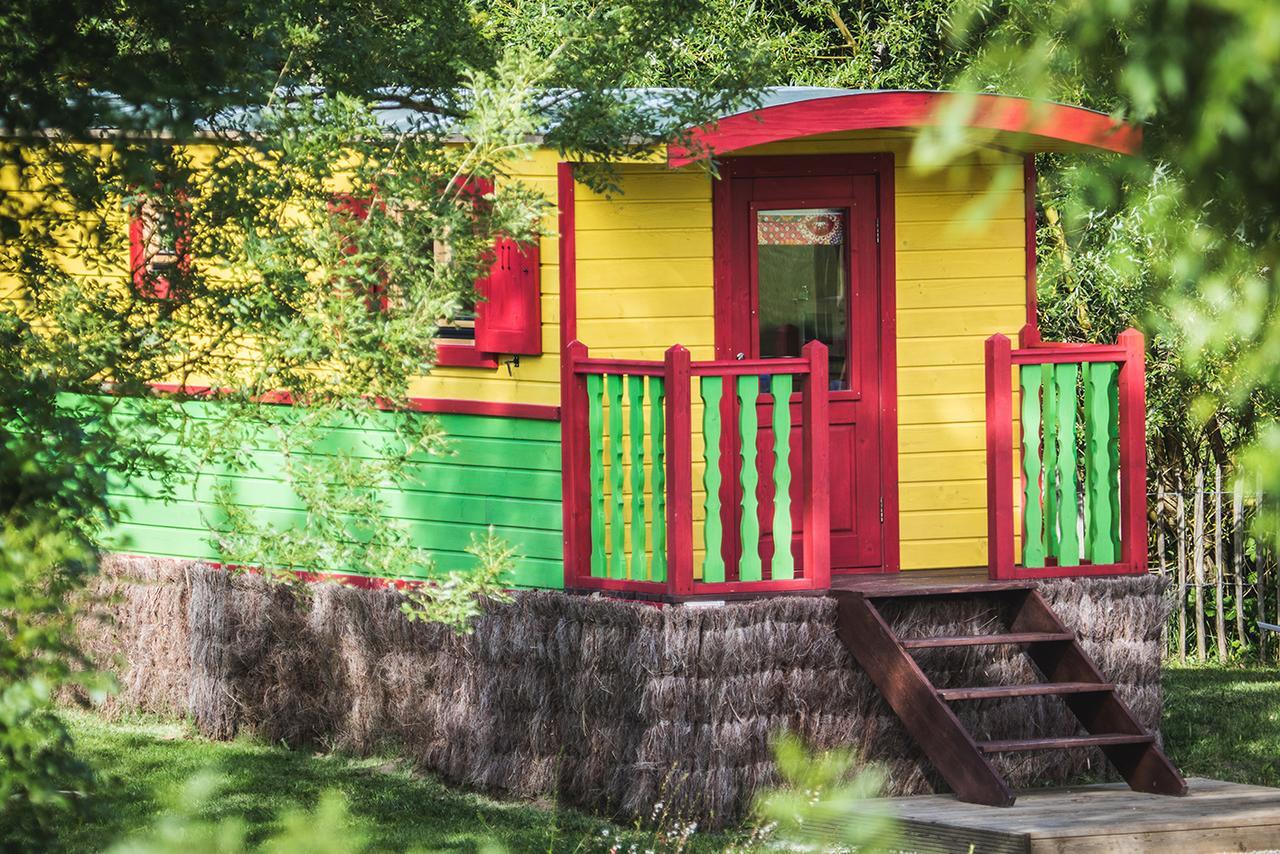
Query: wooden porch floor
{"type": "Point", "coordinates": [1214, 816]}
{"type": "Point", "coordinates": [966, 580]}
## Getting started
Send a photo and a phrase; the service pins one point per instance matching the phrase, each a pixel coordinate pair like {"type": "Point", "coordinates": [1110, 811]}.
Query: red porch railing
{"type": "Point", "coordinates": [1083, 424]}
{"type": "Point", "coordinates": [629, 440]}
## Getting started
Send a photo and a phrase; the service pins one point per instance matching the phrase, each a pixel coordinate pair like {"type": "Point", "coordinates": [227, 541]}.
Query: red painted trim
{"type": "Point", "coordinates": [871, 110]}
{"type": "Point", "coordinates": [1045, 354]}
{"type": "Point", "coordinates": [463, 356]}
{"type": "Point", "coordinates": [1029, 216]}
{"type": "Point", "coordinates": [566, 203]}
{"type": "Point", "coordinates": [815, 432]}
{"type": "Point", "coordinates": [620, 585]}
{"type": "Point", "coordinates": [575, 465]}
{"type": "Point", "coordinates": [1084, 570]}
{"type": "Point", "coordinates": [1132, 394]}
{"type": "Point", "coordinates": [891, 543]}
{"type": "Point", "coordinates": [679, 451]}
{"type": "Point", "coordinates": [531, 411]}
{"type": "Point", "coordinates": [1000, 558]}
{"type": "Point", "coordinates": [786, 585]}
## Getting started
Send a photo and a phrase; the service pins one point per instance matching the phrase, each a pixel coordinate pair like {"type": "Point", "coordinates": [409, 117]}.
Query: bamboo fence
{"type": "Point", "coordinates": [1224, 576]}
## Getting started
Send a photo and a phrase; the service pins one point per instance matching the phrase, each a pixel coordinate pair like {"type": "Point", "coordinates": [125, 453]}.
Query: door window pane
{"type": "Point", "coordinates": [802, 263]}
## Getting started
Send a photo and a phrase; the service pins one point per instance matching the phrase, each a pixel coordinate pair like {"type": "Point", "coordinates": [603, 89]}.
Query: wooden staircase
{"type": "Point", "coordinates": [1067, 672]}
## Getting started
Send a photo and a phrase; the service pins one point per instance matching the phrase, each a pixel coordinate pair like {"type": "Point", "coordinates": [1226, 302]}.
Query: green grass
{"type": "Point", "coordinates": [1218, 722]}
{"type": "Point", "coordinates": [1224, 722]}
{"type": "Point", "coordinates": [144, 764]}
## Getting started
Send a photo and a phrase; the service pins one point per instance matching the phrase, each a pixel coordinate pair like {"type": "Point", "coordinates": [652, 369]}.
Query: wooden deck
{"type": "Point", "coordinates": [1214, 816]}
{"type": "Point", "coordinates": [922, 581]}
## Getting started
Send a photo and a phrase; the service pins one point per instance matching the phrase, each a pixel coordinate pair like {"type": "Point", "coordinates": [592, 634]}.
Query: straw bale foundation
{"type": "Point", "coordinates": [604, 704]}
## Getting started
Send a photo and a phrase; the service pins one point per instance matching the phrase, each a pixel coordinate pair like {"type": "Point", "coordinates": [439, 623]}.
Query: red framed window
{"type": "Point", "coordinates": [160, 247]}
{"type": "Point", "coordinates": [504, 316]}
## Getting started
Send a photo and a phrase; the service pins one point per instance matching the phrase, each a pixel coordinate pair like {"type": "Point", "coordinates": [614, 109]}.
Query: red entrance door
{"type": "Point", "coordinates": [803, 264]}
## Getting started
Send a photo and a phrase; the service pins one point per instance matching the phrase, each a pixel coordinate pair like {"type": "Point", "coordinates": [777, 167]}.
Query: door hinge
{"type": "Point", "coordinates": [881, 510]}
{"type": "Point", "coordinates": [877, 229]}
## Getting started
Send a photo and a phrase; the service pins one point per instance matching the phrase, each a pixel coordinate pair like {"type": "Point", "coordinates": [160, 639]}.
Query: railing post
{"type": "Point", "coordinates": [574, 442]}
{"type": "Point", "coordinates": [679, 441]}
{"type": "Point", "coordinates": [1132, 394]}
{"type": "Point", "coordinates": [1000, 559]}
{"type": "Point", "coordinates": [815, 432]}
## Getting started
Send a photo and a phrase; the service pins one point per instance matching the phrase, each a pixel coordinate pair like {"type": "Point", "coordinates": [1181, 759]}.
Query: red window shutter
{"type": "Point", "coordinates": [509, 315]}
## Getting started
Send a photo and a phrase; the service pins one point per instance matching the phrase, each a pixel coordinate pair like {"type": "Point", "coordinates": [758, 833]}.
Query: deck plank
{"type": "Point", "coordinates": [1213, 816]}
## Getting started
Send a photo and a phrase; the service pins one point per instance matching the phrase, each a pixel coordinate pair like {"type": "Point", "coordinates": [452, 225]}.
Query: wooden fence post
{"type": "Point", "coordinates": [1197, 564]}
{"type": "Point", "coordinates": [575, 490]}
{"type": "Point", "coordinates": [1132, 394]}
{"type": "Point", "coordinates": [815, 432]}
{"type": "Point", "coordinates": [1000, 559]}
{"type": "Point", "coordinates": [1161, 558]}
{"type": "Point", "coordinates": [1220, 618]}
{"type": "Point", "coordinates": [679, 430]}
{"type": "Point", "coordinates": [1237, 555]}
{"type": "Point", "coordinates": [1182, 571]}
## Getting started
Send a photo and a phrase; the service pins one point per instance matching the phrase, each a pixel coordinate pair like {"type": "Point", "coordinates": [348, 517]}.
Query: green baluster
{"type": "Point", "coordinates": [657, 442]}
{"type": "Point", "coordinates": [1065, 377]}
{"type": "Point", "coordinates": [749, 568]}
{"type": "Point", "coordinates": [595, 429]}
{"type": "Point", "coordinates": [635, 399]}
{"type": "Point", "coordinates": [1102, 476]}
{"type": "Point", "coordinates": [711, 388]}
{"type": "Point", "coordinates": [1032, 522]}
{"type": "Point", "coordinates": [1086, 494]}
{"type": "Point", "coordinates": [1048, 412]}
{"type": "Point", "coordinates": [1113, 450]}
{"type": "Point", "coordinates": [784, 564]}
{"type": "Point", "coordinates": [617, 523]}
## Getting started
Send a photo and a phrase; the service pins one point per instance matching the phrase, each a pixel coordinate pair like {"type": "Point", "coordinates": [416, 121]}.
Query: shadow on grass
{"type": "Point", "coordinates": [1224, 722]}
{"type": "Point", "coordinates": [144, 764]}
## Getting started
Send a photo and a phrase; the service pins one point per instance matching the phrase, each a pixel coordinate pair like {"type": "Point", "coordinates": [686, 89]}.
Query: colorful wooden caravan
{"type": "Point", "coordinates": [799, 371]}
{"type": "Point", "coordinates": [811, 370]}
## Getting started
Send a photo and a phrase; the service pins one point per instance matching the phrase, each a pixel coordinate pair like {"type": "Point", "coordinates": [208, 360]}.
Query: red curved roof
{"type": "Point", "coordinates": [1037, 125]}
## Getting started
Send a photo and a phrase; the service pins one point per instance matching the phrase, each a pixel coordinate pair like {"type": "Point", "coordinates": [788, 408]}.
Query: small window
{"type": "Point", "coordinates": [160, 247]}
{"type": "Point", "coordinates": [803, 284]}
{"type": "Point", "coordinates": [502, 317]}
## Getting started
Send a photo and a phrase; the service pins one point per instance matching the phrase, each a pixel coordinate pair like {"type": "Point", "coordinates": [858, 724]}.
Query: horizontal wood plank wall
{"type": "Point", "coordinates": [534, 381]}
{"type": "Point", "coordinates": [503, 472]}
{"type": "Point", "coordinates": [957, 284]}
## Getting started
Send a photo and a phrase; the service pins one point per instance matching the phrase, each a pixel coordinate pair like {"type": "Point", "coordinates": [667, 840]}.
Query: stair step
{"type": "Point", "coordinates": [985, 640]}
{"type": "Point", "coordinates": [1039, 689]}
{"type": "Point", "coordinates": [1062, 742]}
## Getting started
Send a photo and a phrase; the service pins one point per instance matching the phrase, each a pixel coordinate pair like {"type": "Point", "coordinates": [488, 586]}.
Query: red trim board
{"type": "Point", "coordinates": [1041, 121]}
{"type": "Point", "coordinates": [1029, 201]}
{"type": "Point", "coordinates": [566, 200]}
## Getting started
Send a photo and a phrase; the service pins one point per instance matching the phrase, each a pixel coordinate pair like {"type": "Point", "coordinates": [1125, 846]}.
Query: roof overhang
{"type": "Point", "coordinates": [1018, 123]}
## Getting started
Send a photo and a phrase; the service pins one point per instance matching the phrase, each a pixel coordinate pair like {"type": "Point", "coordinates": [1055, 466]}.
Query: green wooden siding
{"type": "Point", "coordinates": [503, 472]}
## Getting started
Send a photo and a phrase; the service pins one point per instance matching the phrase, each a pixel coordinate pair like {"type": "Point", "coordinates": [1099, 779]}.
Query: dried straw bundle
{"type": "Point", "coordinates": [135, 624]}
{"type": "Point", "coordinates": [610, 705]}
